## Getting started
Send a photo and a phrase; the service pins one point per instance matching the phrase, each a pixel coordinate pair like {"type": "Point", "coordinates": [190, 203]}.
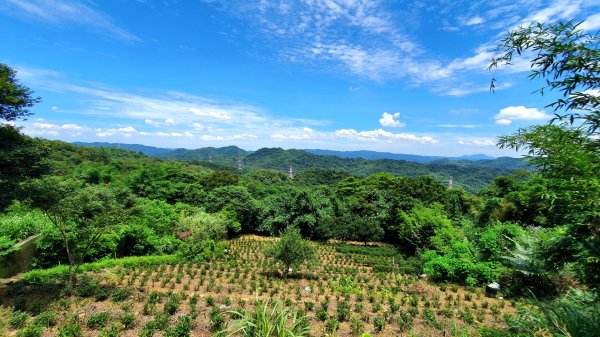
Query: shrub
{"type": "Point", "coordinates": [322, 315]}
{"type": "Point", "coordinates": [379, 324]}
{"type": "Point", "coordinates": [120, 295]}
{"type": "Point", "coordinates": [98, 320]}
{"type": "Point", "coordinates": [18, 319]}
{"type": "Point", "coordinates": [217, 321]}
{"type": "Point", "coordinates": [182, 329]}
{"type": "Point", "coordinates": [172, 304]}
{"type": "Point", "coordinates": [72, 329]}
{"type": "Point", "coordinates": [332, 326]}
{"type": "Point", "coordinates": [343, 311]}
{"type": "Point", "coordinates": [356, 326]}
{"type": "Point", "coordinates": [128, 320]}
{"type": "Point", "coordinates": [46, 319]}
{"type": "Point", "coordinates": [31, 331]}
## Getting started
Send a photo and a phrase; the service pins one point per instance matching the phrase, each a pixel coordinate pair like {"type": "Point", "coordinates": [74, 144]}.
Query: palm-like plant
{"type": "Point", "coordinates": [269, 319]}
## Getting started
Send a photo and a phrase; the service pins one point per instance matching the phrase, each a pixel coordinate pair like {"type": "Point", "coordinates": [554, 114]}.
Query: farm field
{"type": "Point", "coordinates": [347, 291]}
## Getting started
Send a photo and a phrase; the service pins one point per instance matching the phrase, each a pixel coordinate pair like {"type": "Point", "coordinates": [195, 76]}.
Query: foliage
{"type": "Point", "coordinates": [420, 224]}
{"type": "Point", "coordinates": [15, 98]}
{"type": "Point", "coordinates": [566, 154]}
{"type": "Point", "coordinates": [269, 318]}
{"type": "Point", "coordinates": [21, 158]}
{"type": "Point", "coordinates": [290, 250]}
{"type": "Point", "coordinates": [459, 265]}
{"type": "Point", "coordinates": [60, 273]}
{"type": "Point", "coordinates": [80, 214]}
{"type": "Point", "coordinates": [567, 58]}
{"type": "Point", "coordinates": [207, 232]}
{"type": "Point", "coordinates": [576, 314]}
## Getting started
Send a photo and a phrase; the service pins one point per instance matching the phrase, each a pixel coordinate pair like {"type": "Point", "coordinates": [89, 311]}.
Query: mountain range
{"type": "Point", "coordinates": [469, 172]}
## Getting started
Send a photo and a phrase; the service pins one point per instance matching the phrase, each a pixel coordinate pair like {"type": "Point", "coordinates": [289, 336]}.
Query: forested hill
{"type": "Point", "coordinates": [472, 175]}
{"type": "Point", "coordinates": [465, 174]}
{"type": "Point", "coordinates": [471, 178]}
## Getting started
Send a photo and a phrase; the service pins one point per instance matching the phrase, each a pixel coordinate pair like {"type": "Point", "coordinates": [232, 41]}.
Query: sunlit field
{"type": "Point", "coordinates": [349, 290]}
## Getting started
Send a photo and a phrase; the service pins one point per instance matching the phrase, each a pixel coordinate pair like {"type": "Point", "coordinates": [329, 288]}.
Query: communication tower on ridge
{"type": "Point", "coordinates": [239, 164]}
{"type": "Point", "coordinates": [450, 183]}
{"type": "Point", "coordinates": [291, 174]}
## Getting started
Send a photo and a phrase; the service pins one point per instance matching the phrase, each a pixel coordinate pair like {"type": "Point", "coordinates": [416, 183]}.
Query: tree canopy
{"type": "Point", "coordinates": [15, 98]}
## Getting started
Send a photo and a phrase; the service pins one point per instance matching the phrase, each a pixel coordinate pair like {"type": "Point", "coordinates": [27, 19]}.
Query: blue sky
{"type": "Point", "coordinates": [397, 76]}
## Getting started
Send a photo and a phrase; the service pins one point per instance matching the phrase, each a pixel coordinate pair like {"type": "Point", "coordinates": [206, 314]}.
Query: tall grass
{"type": "Point", "coordinates": [269, 319]}
{"type": "Point", "coordinates": [577, 314]}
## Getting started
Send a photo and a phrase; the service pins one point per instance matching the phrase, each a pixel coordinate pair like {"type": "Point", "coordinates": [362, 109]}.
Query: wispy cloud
{"type": "Point", "coordinates": [483, 142]}
{"type": "Point", "coordinates": [68, 13]}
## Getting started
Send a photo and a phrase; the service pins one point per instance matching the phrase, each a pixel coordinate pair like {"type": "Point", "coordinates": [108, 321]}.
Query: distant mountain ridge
{"type": "Point", "coordinates": [396, 156]}
{"type": "Point", "coordinates": [147, 150]}
{"type": "Point", "coordinates": [467, 173]}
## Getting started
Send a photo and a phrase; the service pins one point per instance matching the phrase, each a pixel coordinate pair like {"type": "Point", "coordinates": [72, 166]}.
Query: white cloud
{"type": "Point", "coordinates": [130, 131]}
{"type": "Point", "coordinates": [591, 22]}
{"type": "Point", "coordinates": [382, 135]}
{"type": "Point", "coordinates": [168, 121]}
{"type": "Point", "coordinates": [211, 112]}
{"type": "Point", "coordinates": [42, 128]}
{"type": "Point", "coordinates": [477, 20]}
{"type": "Point", "coordinates": [512, 113]}
{"type": "Point", "coordinates": [390, 120]}
{"type": "Point", "coordinates": [229, 138]}
{"type": "Point", "coordinates": [127, 131]}
{"type": "Point", "coordinates": [151, 122]}
{"type": "Point", "coordinates": [198, 126]}
{"type": "Point", "coordinates": [478, 142]}
{"type": "Point", "coordinates": [558, 10]}
{"type": "Point", "coordinates": [296, 134]}
{"type": "Point", "coordinates": [63, 13]}
{"type": "Point", "coordinates": [465, 126]}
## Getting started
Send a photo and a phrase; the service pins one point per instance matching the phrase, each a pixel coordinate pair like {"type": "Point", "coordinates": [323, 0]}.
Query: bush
{"type": "Point", "coordinates": [98, 320]}
{"type": "Point", "coordinates": [46, 319]}
{"type": "Point", "coordinates": [217, 321]}
{"type": "Point", "coordinates": [182, 329]}
{"type": "Point", "coordinates": [459, 265]}
{"type": "Point", "coordinates": [332, 326]}
{"type": "Point", "coordinates": [343, 311]}
{"type": "Point", "coordinates": [31, 331]}
{"type": "Point", "coordinates": [18, 319]}
{"type": "Point", "coordinates": [356, 326]}
{"type": "Point", "coordinates": [128, 320]}
{"type": "Point", "coordinates": [378, 324]}
{"type": "Point", "coordinates": [72, 329]}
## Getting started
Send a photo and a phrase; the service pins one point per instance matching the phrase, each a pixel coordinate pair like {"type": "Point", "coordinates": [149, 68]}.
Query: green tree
{"type": "Point", "coordinates": [420, 224]}
{"type": "Point", "coordinates": [566, 154]}
{"type": "Point", "coordinates": [21, 158]}
{"type": "Point", "coordinates": [81, 215]}
{"type": "Point", "coordinates": [291, 250]}
{"type": "Point", "coordinates": [207, 232]}
{"type": "Point", "coordinates": [15, 98]}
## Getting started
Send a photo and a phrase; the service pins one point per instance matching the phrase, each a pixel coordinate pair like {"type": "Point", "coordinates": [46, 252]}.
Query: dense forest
{"type": "Point", "coordinates": [471, 175]}
{"type": "Point", "coordinates": [535, 232]}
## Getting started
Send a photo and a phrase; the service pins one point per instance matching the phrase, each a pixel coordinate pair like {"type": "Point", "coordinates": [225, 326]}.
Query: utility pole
{"type": "Point", "coordinates": [450, 183]}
